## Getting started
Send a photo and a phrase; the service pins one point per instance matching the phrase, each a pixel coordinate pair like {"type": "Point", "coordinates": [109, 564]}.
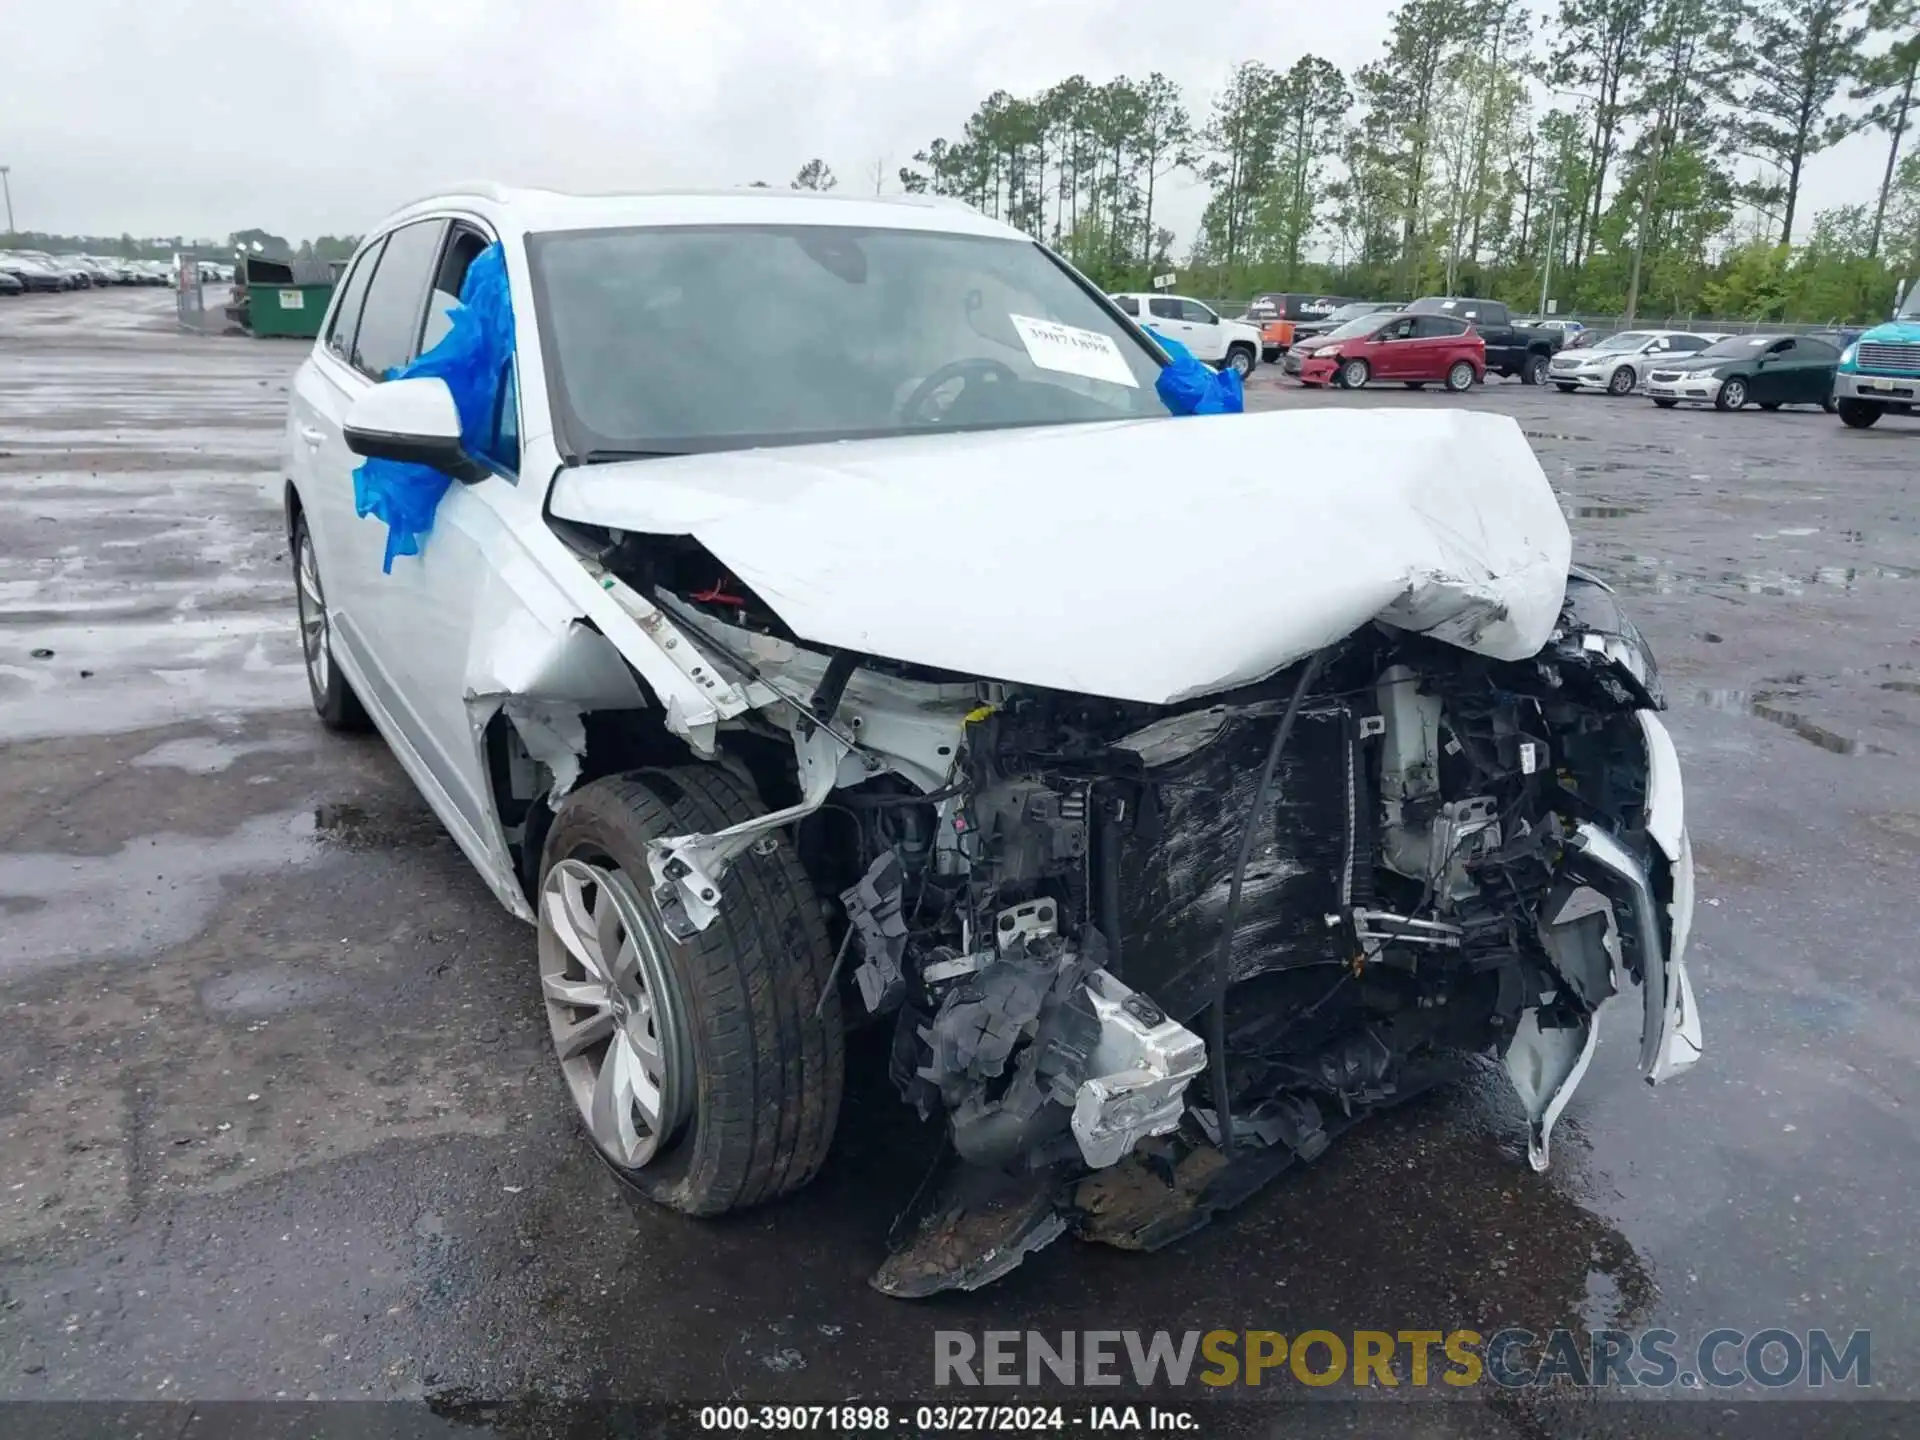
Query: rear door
{"type": "Point", "coordinates": [1435, 345]}
{"type": "Point", "coordinates": [1209, 340]}
{"type": "Point", "coordinates": [1814, 363]}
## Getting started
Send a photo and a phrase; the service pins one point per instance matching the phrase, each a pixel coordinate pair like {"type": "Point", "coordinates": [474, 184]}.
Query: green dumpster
{"type": "Point", "coordinates": [287, 297]}
{"type": "Point", "coordinates": [288, 309]}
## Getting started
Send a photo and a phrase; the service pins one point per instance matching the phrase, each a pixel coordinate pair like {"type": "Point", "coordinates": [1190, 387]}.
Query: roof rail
{"type": "Point", "coordinates": [486, 189]}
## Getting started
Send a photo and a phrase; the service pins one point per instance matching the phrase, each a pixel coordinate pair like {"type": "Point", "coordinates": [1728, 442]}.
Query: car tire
{"type": "Point", "coordinates": [1770, 404]}
{"type": "Point", "coordinates": [1535, 371]}
{"type": "Point", "coordinates": [743, 1020]}
{"type": "Point", "coordinates": [1830, 404]}
{"type": "Point", "coordinates": [1565, 389]}
{"type": "Point", "coordinates": [1240, 359]}
{"type": "Point", "coordinates": [1622, 381]}
{"type": "Point", "coordinates": [1732, 396]}
{"type": "Point", "coordinates": [1666, 404]}
{"type": "Point", "coordinates": [1414, 384]}
{"type": "Point", "coordinates": [1857, 415]}
{"type": "Point", "coordinates": [333, 698]}
{"type": "Point", "coordinates": [1354, 374]}
{"type": "Point", "coordinates": [1460, 377]}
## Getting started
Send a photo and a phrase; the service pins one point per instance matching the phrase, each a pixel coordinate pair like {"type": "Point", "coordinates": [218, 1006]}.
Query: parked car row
{"type": "Point", "coordinates": [1447, 340]}
{"type": "Point", "coordinates": [30, 270]}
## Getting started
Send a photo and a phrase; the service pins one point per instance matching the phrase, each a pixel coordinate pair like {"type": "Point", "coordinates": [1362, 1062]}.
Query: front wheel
{"type": "Point", "coordinates": [1857, 414]}
{"type": "Point", "coordinates": [1240, 361]}
{"type": "Point", "coordinates": [1460, 376]}
{"type": "Point", "coordinates": [1732, 396]}
{"type": "Point", "coordinates": [707, 1072]}
{"type": "Point", "coordinates": [1354, 374]}
{"type": "Point", "coordinates": [1535, 371]}
{"type": "Point", "coordinates": [1621, 382]}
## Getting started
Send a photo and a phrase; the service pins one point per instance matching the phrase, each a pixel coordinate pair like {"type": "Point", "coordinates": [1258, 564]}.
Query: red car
{"type": "Point", "coordinates": [1413, 349]}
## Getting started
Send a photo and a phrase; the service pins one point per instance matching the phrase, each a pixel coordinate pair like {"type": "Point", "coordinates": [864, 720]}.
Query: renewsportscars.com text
{"type": "Point", "coordinates": [1509, 1358]}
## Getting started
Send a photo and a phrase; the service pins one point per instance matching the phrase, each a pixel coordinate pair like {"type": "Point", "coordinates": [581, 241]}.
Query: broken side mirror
{"type": "Point", "coordinates": [415, 422]}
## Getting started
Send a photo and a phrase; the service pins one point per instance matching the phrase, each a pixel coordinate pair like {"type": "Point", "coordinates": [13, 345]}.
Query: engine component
{"type": "Point", "coordinates": [1141, 1068]}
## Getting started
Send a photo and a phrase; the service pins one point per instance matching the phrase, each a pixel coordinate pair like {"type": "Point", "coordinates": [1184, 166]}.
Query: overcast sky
{"type": "Point", "coordinates": [305, 117]}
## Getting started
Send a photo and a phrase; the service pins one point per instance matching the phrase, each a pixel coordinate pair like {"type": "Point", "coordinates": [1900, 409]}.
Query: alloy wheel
{"type": "Point", "coordinates": [312, 602]}
{"type": "Point", "coordinates": [614, 1009]}
{"type": "Point", "coordinates": [1622, 381]}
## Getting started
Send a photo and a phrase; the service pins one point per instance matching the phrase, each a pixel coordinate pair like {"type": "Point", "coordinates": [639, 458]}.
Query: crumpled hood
{"type": "Point", "coordinates": [1151, 560]}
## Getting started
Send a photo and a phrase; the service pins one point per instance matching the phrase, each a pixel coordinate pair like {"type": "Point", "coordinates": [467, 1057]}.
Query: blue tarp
{"type": "Point", "coordinates": [472, 358]}
{"type": "Point", "coordinates": [1191, 387]}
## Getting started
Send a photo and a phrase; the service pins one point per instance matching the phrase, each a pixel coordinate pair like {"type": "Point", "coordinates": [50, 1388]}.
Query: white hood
{"type": "Point", "coordinates": [1150, 560]}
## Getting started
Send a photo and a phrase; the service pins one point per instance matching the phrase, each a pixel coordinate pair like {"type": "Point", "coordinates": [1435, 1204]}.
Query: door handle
{"type": "Point", "coordinates": [313, 437]}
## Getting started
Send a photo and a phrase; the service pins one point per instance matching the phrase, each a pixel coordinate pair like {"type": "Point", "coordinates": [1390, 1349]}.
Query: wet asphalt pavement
{"type": "Point", "coordinates": [277, 1113]}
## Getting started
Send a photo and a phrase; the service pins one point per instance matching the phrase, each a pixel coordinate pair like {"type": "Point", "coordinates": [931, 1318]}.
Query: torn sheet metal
{"type": "Point", "coordinates": [554, 735]}
{"type": "Point", "coordinates": [1441, 521]}
{"type": "Point", "coordinates": [687, 869]}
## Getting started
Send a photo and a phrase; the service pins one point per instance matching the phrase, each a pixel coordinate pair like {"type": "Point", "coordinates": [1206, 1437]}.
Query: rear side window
{"type": "Point", "coordinates": [1492, 312]}
{"type": "Point", "coordinates": [1687, 344]}
{"type": "Point", "coordinates": [346, 311]}
{"type": "Point", "coordinates": [396, 300]}
{"type": "Point", "coordinates": [1817, 350]}
{"type": "Point", "coordinates": [1127, 304]}
{"type": "Point", "coordinates": [1164, 309]}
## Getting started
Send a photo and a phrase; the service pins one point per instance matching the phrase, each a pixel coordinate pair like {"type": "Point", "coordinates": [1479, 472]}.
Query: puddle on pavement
{"type": "Point", "coordinates": [1905, 687]}
{"type": "Point", "coordinates": [1601, 512]}
{"type": "Point", "coordinates": [205, 755]}
{"type": "Point", "coordinates": [1762, 705]}
{"type": "Point", "coordinates": [150, 895]}
{"type": "Point", "coordinates": [1660, 576]}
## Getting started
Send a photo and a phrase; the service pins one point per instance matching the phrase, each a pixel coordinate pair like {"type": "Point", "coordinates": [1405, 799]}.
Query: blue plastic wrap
{"type": "Point", "coordinates": [472, 358]}
{"type": "Point", "coordinates": [1191, 387]}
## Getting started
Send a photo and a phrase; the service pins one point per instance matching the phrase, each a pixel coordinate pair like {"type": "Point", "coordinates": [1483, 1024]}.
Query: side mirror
{"type": "Point", "coordinates": [413, 421]}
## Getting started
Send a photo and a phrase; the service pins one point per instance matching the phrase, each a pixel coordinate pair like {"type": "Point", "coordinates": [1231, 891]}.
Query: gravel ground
{"type": "Point", "coordinates": [277, 1116]}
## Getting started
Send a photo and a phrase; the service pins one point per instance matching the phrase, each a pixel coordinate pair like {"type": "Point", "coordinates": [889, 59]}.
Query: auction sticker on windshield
{"type": "Point", "coordinates": [1073, 351]}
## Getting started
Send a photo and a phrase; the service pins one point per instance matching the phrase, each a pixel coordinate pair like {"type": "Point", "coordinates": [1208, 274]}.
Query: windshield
{"type": "Point", "coordinates": [724, 337]}
{"type": "Point", "coordinates": [1736, 347]}
{"type": "Point", "coordinates": [1358, 326]}
{"type": "Point", "coordinates": [1626, 340]}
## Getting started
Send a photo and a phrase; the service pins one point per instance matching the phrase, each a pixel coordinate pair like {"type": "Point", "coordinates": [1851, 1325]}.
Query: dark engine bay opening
{"type": "Point", "coordinates": [1044, 934]}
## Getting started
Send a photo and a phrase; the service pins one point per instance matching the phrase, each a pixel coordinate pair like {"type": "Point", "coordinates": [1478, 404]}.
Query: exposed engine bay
{"type": "Point", "coordinates": [1126, 1028]}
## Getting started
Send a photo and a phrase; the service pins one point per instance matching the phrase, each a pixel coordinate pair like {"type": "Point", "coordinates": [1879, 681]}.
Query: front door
{"type": "Point", "coordinates": [1209, 340]}
{"type": "Point", "coordinates": [1396, 350]}
{"type": "Point", "coordinates": [1773, 381]}
{"type": "Point", "coordinates": [1165, 315]}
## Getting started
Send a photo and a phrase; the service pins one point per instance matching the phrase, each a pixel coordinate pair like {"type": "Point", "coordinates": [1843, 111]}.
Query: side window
{"type": "Point", "coordinates": [1162, 308]}
{"type": "Point", "coordinates": [504, 450]}
{"type": "Point", "coordinates": [1492, 312]}
{"type": "Point", "coordinates": [1819, 351]}
{"type": "Point", "coordinates": [1198, 314]}
{"type": "Point", "coordinates": [1781, 348]}
{"type": "Point", "coordinates": [1127, 304]}
{"type": "Point", "coordinates": [1688, 344]}
{"type": "Point", "coordinates": [346, 309]}
{"type": "Point", "coordinates": [463, 248]}
{"type": "Point", "coordinates": [391, 319]}
{"type": "Point", "coordinates": [1400, 330]}
{"type": "Point", "coordinates": [1433, 327]}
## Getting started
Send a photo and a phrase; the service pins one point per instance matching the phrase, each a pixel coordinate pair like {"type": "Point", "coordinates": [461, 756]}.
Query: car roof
{"type": "Point", "coordinates": [517, 209]}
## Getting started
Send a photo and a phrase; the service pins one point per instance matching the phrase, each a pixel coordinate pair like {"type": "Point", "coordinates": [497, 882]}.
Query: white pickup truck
{"type": "Point", "coordinates": [1210, 336]}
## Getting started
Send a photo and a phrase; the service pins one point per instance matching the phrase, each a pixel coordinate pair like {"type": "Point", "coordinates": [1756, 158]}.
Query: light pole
{"type": "Point", "coordinates": [1546, 264]}
{"type": "Point", "coordinates": [6, 170]}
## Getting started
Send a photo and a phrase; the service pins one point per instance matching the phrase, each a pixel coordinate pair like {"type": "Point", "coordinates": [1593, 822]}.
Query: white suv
{"type": "Point", "coordinates": [1209, 335]}
{"type": "Point", "coordinates": [808, 626]}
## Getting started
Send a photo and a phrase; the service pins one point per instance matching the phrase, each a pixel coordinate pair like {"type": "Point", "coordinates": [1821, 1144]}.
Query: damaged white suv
{"type": "Point", "coordinates": [828, 626]}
